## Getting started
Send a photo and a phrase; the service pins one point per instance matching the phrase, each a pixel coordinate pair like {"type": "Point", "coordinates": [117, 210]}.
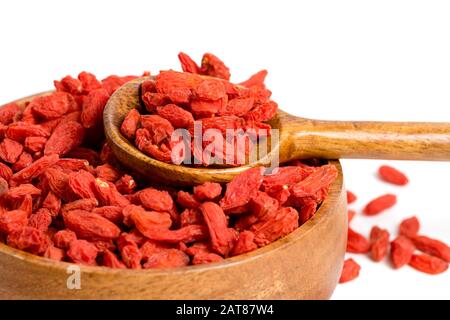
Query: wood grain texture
{"type": "Point", "coordinates": [299, 138]}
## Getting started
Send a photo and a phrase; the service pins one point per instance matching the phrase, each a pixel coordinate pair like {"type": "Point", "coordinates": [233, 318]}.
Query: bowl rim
{"type": "Point", "coordinates": [325, 208]}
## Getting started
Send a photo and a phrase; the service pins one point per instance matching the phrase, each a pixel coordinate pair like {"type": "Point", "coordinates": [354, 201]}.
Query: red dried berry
{"type": "Point", "coordinates": [90, 226]}
{"type": "Point", "coordinates": [350, 271]}
{"type": "Point", "coordinates": [130, 124]}
{"type": "Point", "coordinates": [379, 240]}
{"type": "Point", "coordinates": [93, 106]}
{"type": "Point", "coordinates": [402, 250]}
{"type": "Point", "coordinates": [187, 64]}
{"type": "Point", "coordinates": [83, 252]}
{"type": "Point", "coordinates": [214, 67]}
{"type": "Point", "coordinates": [255, 80]}
{"type": "Point", "coordinates": [207, 191]}
{"type": "Point", "coordinates": [10, 150]}
{"type": "Point", "coordinates": [428, 264]}
{"type": "Point", "coordinates": [241, 189]}
{"type": "Point", "coordinates": [351, 197]}
{"type": "Point", "coordinates": [65, 137]}
{"type": "Point", "coordinates": [112, 261]}
{"type": "Point", "coordinates": [432, 247]}
{"type": "Point", "coordinates": [357, 243]}
{"type": "Point", "coordinates": [409, 227]}
{"type": "Point", "coordinates": [392, 175]}
{"type": "Point", "coordinates": [245, 243]}
{"type": "Point", "coordinates": [153, 199]}
{"type": "Point", "coordinates": [63, 238]}
{"type": "Point", "coordinates": [380, 204]}
{"type": "Point", "coordinates": [13, 220]}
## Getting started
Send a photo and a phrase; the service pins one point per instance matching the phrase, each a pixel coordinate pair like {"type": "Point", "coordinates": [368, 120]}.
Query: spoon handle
{"type": "Point", "coordinates": [368, 140]}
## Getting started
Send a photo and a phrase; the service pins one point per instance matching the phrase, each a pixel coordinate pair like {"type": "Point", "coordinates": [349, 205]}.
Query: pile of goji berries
{"type": "Point", "coordinates": [64, 196]}
{"type": "Point", "coordinates": [202, 95]}
{"type": "Point", "coordinates": [404, 249]}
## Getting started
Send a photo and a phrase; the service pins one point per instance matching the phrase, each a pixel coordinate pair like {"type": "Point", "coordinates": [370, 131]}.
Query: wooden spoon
{"type": "Point", "coordinates": [299, 138]}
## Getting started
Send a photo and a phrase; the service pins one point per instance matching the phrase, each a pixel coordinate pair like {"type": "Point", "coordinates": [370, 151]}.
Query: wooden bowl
{"type": "Point", "coordinates": [306, 264]}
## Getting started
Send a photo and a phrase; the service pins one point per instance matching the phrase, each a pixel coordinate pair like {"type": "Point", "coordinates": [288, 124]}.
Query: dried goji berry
{"type": "Point", "coordinates": [178, 117]}
{"type": "Point", "coordinates": [167, 258]}
{"type": "Point", "coordinates": [93, 106]}
{"type": "Point", "coordinates": [8, 112]}
{"type": "Point", "coordinates": [213, 66]}
{"type": "Point", "coordinates": [126, 184]}
{"type": "Point", "coordinates": [351, 197]}
{"type": "Point", "coordinates": [241, 189]}
{"type": "Point", "coordinates": [90, 226]}
{"type": "Point", "coordinates": [66, 136]}
{"type": "Point", "coordinates": [54, 253]}
{"type": "Point", "coordinates": [432, 247]}
{"type": "Point", "coordinates": [153, 199]}
{"type": "Point", "coordinates": [191, 216]}
{"type": "Point", "coordinates": [23, 162]}
{"type": "Point", "coordinates": [187, 64]}
{"type": "Point", "coordinates": [18, 131]}
{"type": "Point", "coordinates": [41, 220]}
{"type": "Point", "coordinates": [255, 80]}
{"type": "Point", "coordinates": [131, 256]}
{"type": "Point", "coordinates": [29, 239]}
{"type": "Point", "coordinates": [222, 237]}
{"type": "Point", "coordinates": [350, 271]}
{"type": "Point", "coordinates": [108, 195]}
{"type": "Point", "coordinates": [380, 204]}
{"type": "Point", "coordinates": [283, 222]}
{"type": "Point", "coordinates": [112, 261]}
{"type": "Point", "coordinates": [207, 191]}
{"type": "Point", "coordinates": [82, 204]}
{"type": "Point", "coordinates": [130, 124]}
{"type": "Point", "coordinates": [187, 200]}
{"type": "Point", "coordinates": [409, 227]}
{"type": "Point", "coordinates": [356, 242]}
{"type": "Point", "coordinates": [83, 252]}
{"type": "Point", "coordinates": [392, 175]}
{"type": "Point", "coordinates": [35, 144]}
{"type": "Point", "coordinates": [379, 240]}
{"type": "Point", "coordinates": [5, 171]}
{"type": "Point", "coordinates": [13, 220]}
{"type": "Point", "coordinates": [53, 106]}
{"type": "Point", "coordinates": [63, 238]}
{"type": "Point", "coordinates": [10, 150]}
{"type": "Point", "coordinates": [245, 243]}
{"type": "Point", "coordinates": [206, 257]}
{"type": "Point", "coordinates": [107, 172]}
{"type": "Point", "coordinates": [52, 203]}
{"type": "Point", "coordinates": [428, 264]}
{"type": "Point", "coordinates": [113, 214]}
{"type": "Point", "coordinates": [34, 170]}
{"type": "Point", "coordinates": [402, 250]}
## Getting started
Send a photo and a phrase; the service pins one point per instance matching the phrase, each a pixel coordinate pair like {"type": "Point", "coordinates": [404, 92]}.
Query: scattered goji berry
{"type": "Point", "coordinates": [409, 227]}
{"type": "Point", "coordinates": [432, 247]}
{"type": "Point", "coordinates": [428, 264]}
{"type": "Point", "coordinates": [380, 204]}
{"type": "Point", "coordinates": [351, 197]}
{"type": "Point", "coordinates": [356, 242]}
{"type": "Point", "coordinates": [379, 241]}
{"type": "Point", "coordinates": [350, 271]}
{"type": "Point", "coordinates": [392, 175]}
{"type": "Point", "coordinates": [90, 226]}
{"type": "Point", "coordinates": [402, 250]}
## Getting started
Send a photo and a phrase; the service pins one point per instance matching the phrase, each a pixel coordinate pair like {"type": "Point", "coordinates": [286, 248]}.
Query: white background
{"type": "Point", "coordinates": [358, 60]}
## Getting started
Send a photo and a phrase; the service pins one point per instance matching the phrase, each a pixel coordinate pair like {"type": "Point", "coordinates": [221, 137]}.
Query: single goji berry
{"type": "Point", "coordinates": [10, 150]}
{"type": "Point", "coordinates": [350, 271]}
{"type": "Point", "coordinates": [428, 264]}
{"type": "Point", "coordinates": [65, 137]}
{"type": "Point", "coordinates": [83, 252]}
{"type": "Point", "coordinates": [356, 242]}
{"type": "Point", "coordinates": [91, 226]}
{"type": "Point", "coordinates": [432, 247]}
{"type": "Point", "coordinates": [380, 204]}
{"type": "Point", "coordinates": [351, 197]}
{"type": "Point", "coordinates": [409, 227]}
{"type": "Point", "coordinates": [392, 175]}
{"type": "Point", "coordinates": [402, 250]}
{"type": "Point", "coordinates": [130, 124]}
{"type": "Point", "coordinates": [379, 240]}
